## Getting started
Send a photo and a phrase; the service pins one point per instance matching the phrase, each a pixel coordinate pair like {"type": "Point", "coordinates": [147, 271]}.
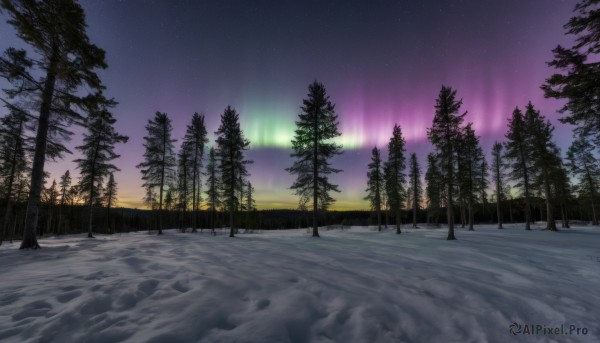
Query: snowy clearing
{"type": "Point", "coordinates": [354, 285]}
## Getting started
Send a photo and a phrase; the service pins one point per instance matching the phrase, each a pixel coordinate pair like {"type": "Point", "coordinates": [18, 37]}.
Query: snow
{"type": "Point", "coordinates": [355, 285]}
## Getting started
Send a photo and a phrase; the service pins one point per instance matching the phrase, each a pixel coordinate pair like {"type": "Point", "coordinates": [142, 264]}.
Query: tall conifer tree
{"type": "Point", "coordinates": [317, 124]}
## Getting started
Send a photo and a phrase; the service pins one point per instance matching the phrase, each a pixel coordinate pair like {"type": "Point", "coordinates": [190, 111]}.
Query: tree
{"type": "Point", "coordinates": [184, 164]}
{"type": "Point", "coordinates": [519, 158]}
{"type": "Point", "coordinates": [109, 199]}
{"type": "Point", "coordinates": [584, 166]}
{"type": "Point", "coordinates": [212, 187]}
{"type": "Point", "coordinates": [395, 180]}
{"type": "Point", "coordinates": [579, 79]}
{"type": "Point", "coordinates": [443, 134]}
{"type": "Point", "coordinates": [434, 182]}
{"type": "Point", "coordinates": [250, 203]}
{"type": "Point", "coordinates": [195, 139]}
{"type": "Point", "coordinates": [56, 79]}
{"type": "Point", "coordinates": [13, 160]}
{"type": "Point", "coordinates": [498, 175]}
{"type": "Point", "coordinates": [471, 176]}
{"type": "Point", "coordinates": [50, 196]}
{"type": "Point", "coordinates": [65, 197]}
{"type": "Point", "coordinates": [546, 157]}
{"type": "Point", "coordinates": [159, 160]}
{"type": "Point", "coordinates": [414, 174]}
{"type": "Point", "coordinates": [98, 150]}
{"type": "Point", "coordinates": [375, 184]}
{"type": "Point", "coordinates": [231, 145]}
{"type": "Point", "coordinates": [317, 124]}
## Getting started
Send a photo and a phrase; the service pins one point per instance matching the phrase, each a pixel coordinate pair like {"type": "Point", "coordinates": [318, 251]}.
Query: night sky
{"type": "Point", "coordinates": [383, 62]}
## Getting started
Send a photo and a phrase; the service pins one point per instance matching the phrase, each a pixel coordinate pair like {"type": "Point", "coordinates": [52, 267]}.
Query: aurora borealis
{"type": "Point", "coordinates": [383, 62]}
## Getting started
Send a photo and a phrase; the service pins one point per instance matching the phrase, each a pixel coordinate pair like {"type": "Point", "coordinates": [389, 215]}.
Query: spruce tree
{"type": "Point", "coordinates": [518, 155]}
{"type": "Point", "coordinates": [546, 157]}
{"type": "Point", "coordinates": [375, 184]}
{"type": "Point", "coordinates": [109, 199]}
{"type": "Point", "coordinates": [498, 175]}
{"type": "Point", "coordinates": [317, 124]}
{"type": "Point", "coordinates": [471, 173]}
{"type": "Point", "coordinates": [250, 204]}
{"type": "Point", "coordinates": [578, 80]}
{"type": "Point", "coordinates": [13, 161]}
{"type": "Point", "coordinates": [395, 181]}
{"type": "Point", "coordinates": [414, 174]}
{"type": "Point", "coordinates": [159, 161]}
{"type": "Point", "coordinates": [434, 184]}
{"type": "Point", "coordinates": [195, 140]}
{"type": "Point", "coordinates": [212, 187]}
{"type": "Point", "coordinates": [184, 166]}
{"type": "Point", "coordinates": [231, 145]}
{"type": "Point", "coordinates": [443, 135]}
{"type": "Point", "coordinates": [65, 195]}
{"type": "Point", "coordinates": [98, 150]}
{"type": "Point", "coordinates": [55, 79]}
{"type": "Point", "coordinates": [584, 166]}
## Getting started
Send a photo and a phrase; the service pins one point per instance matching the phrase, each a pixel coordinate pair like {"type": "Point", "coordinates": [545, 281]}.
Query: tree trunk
{"type": "Point", "coordinates": [315, 177]}
{"type": "Point", "coordinates": [39, 158]}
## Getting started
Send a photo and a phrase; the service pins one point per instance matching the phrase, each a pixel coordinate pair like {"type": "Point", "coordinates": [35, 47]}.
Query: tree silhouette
{"type": "Point", "coordinates": [414, 174]}
{"type": "Point", "coordinates": [195, 139]}
{"type": "Point", "coordinates": [519, 159]}
{"type": "Point", "coordinates": [13, 161]}
{"type": "Point", "coordinates": [109, 199]}
{"type": "Point", "coordinates": [212, 187]}
{"type": "Point", "coordinates": [159, 161]}
{"type": "Point", "coordinates": [579, 79]}
{"type": "Point", "coordinates": [98, 150]}
{"type": "Point", "coordinates": [55, 79]}
{"type": "Point", "coordinates": [434, 182]}
{"type": "Point", "coordinates": [395, 177]}
{"type": "Point", "coordinates": [317, 124]}
{"type": "Point", "coordinates": [584, 166]}
{"type": "Point", "coordinates": [375, 184]}
{"type": "Point", "coordinates": [498, 175]}
{"type": "Point", "coordinates": [232, 164]}
{"type": "Point", "coordinates": [443, 135]}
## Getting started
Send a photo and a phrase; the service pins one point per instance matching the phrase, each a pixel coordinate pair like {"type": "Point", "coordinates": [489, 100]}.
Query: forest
{"type": "Point", "coordinates": [193, 184]}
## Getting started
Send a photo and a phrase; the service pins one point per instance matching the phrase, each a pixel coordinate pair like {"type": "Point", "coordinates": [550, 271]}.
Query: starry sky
{"type": "Point", "coordinates": [382, 62]}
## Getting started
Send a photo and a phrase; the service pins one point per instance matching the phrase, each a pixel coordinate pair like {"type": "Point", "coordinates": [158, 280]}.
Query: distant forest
{"type": "Point", "coordinates": [54, 86]}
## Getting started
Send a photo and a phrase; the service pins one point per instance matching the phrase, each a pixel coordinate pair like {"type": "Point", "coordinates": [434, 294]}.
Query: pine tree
{"type": "Point", "coordinates": [65, 195]}
{"type": "Point", "coordinates": [434, 182]}
{"type": "Point", "coordinates": [250, 203]}
{"type": "Point", "coordinates": [375, 184]}
{"type": "Point", "coordinates": [395, 181]}
{"type": "Point", "coordinates": [414, 174]}
{"type": "Point", "coordinates": [231, 145]}
{"type": "Point", "coordinates": [13, 160]}
{"type": "Point", "coordinates": [584, 166]}
{"type": "Point", "coordinates": [316, 126]}
{"type": "Point", "coordinates": [212, 187]}
{"type": "Point", "coordinates": [498, 175]}
{"type": "Point", "coordinates": [519, 158]}
{"type": "Point", "coordinates": [109, 199]}
{"type": "Point", "coordinates": [50, 196]}
{"type": "Point", "coordinates": [56, 79]}
{"type": "Point", "coordinates": [184, 166]}
{"type": "Point", "coordinates": [443, 135]}
{"type": "Point", "coordinates": [195, 139]}
{"type": "Point", "coordinates": [159, 161]}
{"type": "Point", "coordinates": [471, 173]}
{"type": "Point", "coordinates": [98, 150]}
{"type": "Point", "coordinates": [579, 80]}
{"type": "Point", "coordinates": [546, 157]}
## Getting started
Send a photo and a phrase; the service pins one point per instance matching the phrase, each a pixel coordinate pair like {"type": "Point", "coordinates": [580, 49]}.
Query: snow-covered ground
{"type": "Point", "coordinates": [354, 285]}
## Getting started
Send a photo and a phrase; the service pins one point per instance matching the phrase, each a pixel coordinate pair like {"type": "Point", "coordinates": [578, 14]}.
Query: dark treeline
{"type": "Point", "coordinates": [54, 85]}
